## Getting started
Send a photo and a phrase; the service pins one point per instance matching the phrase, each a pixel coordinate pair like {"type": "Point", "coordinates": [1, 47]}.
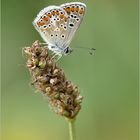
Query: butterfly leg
{"type": "Point", "coordinates": [57, 56]}
{"type": "Point", "coordinates": [43, 44]}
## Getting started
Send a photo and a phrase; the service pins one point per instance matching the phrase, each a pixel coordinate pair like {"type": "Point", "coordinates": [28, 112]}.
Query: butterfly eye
{"type": "Point", "coordinates": [49, 25]}
{"type": "Point", "coordinates": [67, 50]}
{"type": "Point", "coordinates": [51, 35]}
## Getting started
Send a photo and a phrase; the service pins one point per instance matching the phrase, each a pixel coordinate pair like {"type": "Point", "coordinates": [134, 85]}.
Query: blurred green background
{"type": "Point", "coordinates": [108, 81]}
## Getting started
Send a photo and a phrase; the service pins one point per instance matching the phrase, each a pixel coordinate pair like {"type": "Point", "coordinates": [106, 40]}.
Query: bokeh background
{"type": "Point", "coordinates": [108, 81]}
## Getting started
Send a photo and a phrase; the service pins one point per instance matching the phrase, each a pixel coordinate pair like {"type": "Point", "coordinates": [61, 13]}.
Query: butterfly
{"type": "Point", "coordinates": [57, 25]}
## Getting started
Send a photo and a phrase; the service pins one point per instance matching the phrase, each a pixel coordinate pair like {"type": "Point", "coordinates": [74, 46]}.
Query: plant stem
{"type": "Point", "coordinates": [72, 129]}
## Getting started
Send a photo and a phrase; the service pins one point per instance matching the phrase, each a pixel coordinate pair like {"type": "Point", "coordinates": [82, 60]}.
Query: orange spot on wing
{"type": "Point", "coordinates": [65, 18]}
{"type": "Point", "coordinates": [67, 10]}
{"type": "Point", "coordinates": [46, 18]}
{"type": "Point", "coordinates": [76, 9]}
{"type": "Point", "coordinates": [57, 13]}
{"type": "Point", "coordinates": [62, 16]}
{"type": "Point", "coordinates": [40, 23]}
{"type": "Point", "coordinates": [49, 15]}
{"type": "Point", "coordinates": [53, 13]}
{"type": "Point", "coordinates": [81, 11]}
{"type": "Point", "coordinates": [72, 9]}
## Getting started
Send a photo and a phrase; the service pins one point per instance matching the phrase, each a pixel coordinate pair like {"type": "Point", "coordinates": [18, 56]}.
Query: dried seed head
{"type": "Point", "coordinates": [47, 77]}
{"type": "Point", "coordinates": [53, 81]}
{"type": "Point", "coordinates": [42, 63]}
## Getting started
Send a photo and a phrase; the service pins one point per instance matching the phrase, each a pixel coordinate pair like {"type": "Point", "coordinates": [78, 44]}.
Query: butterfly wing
{"type": "Point", "coordinates": [76, 12]}
{"type": "Point", "coordinates": [51, 24]}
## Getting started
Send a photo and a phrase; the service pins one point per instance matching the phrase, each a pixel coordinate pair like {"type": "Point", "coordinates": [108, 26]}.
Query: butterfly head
{"type": "Point", "coordinates": [67, 50]}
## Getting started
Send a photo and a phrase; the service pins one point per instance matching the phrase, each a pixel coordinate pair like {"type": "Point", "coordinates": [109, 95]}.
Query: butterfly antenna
{"type": "Point", "coordinates": [91, 50]}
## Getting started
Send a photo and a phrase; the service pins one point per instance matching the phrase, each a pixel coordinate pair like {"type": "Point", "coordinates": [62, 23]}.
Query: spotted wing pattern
{"type": "Point", "coordinates": [75, 11]}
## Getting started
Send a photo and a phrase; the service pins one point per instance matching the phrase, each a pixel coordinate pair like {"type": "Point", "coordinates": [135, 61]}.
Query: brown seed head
{"type": "Point", "coordinates": [49, 79]}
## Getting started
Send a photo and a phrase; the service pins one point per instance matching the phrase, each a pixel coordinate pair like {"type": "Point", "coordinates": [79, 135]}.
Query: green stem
{"type": "Point", "coordinates": [72, 129]}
